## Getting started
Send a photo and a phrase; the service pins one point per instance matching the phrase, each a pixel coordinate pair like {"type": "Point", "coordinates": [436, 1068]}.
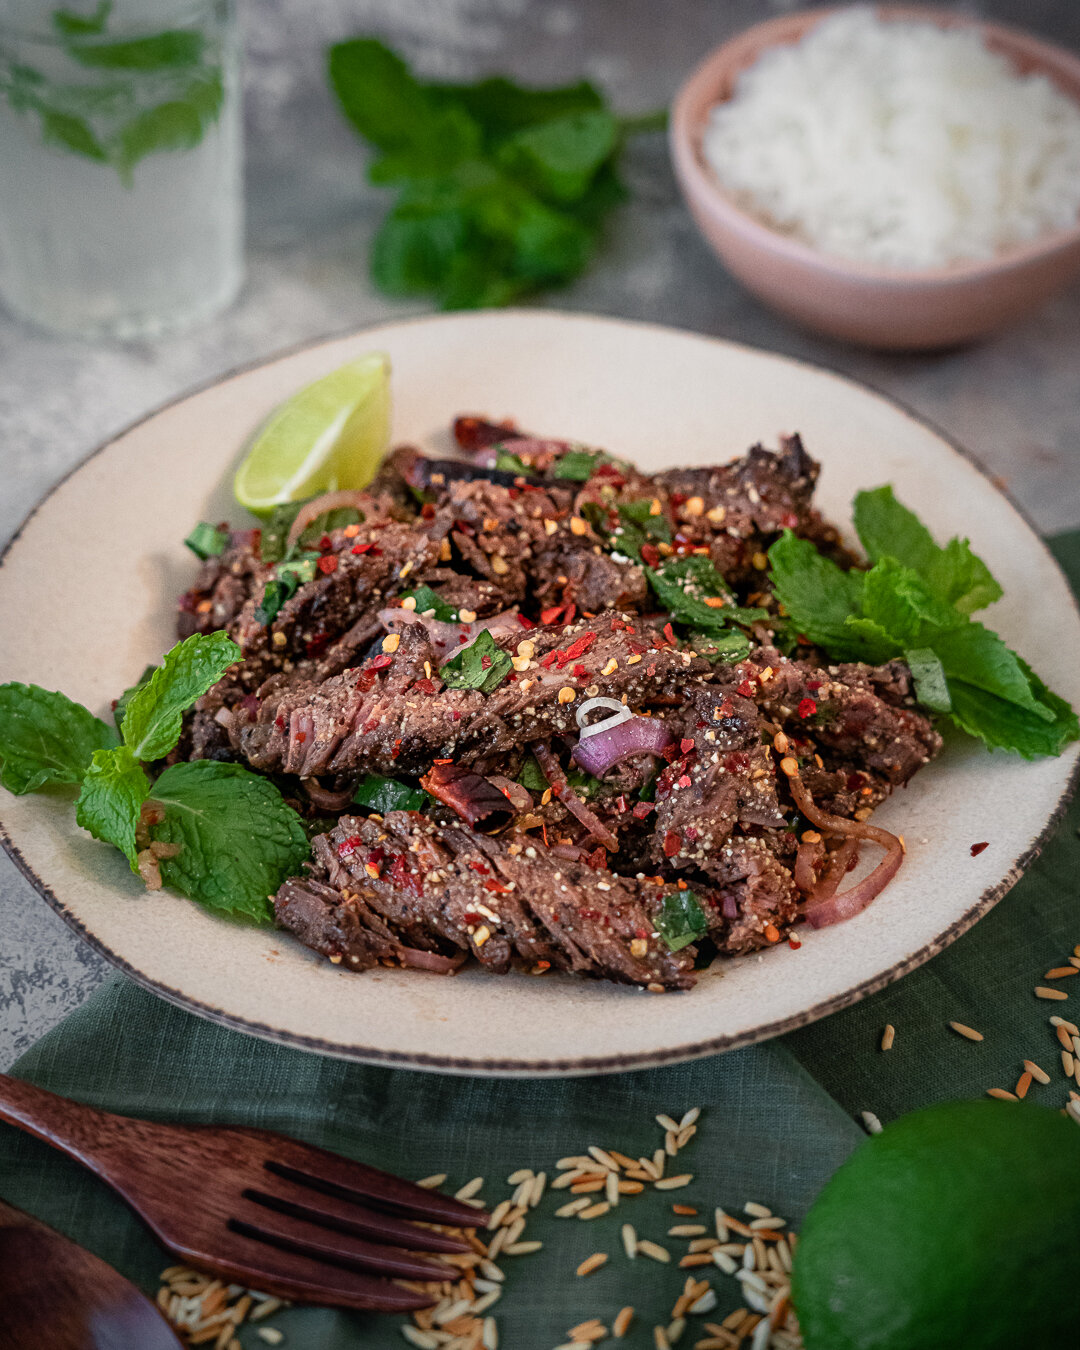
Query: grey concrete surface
{"type": "Point", "coordinates": [1012, 401]}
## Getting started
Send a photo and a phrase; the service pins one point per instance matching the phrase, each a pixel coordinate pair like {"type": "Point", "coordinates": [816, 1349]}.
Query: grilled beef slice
{"type": "Point", "coordinates": [450, 891]}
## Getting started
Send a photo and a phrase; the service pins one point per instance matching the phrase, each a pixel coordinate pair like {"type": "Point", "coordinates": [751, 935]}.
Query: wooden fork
{"type": "Point", "coordinates": [257, 1208]}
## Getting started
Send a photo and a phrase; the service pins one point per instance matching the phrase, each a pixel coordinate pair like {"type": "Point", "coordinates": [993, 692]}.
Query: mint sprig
{"type": "Point", "coordinates": [481, 665]}
{"type": "Point", "coordinates": [915, 603]}
{"type": "Point", "coordinates": [238, 840]}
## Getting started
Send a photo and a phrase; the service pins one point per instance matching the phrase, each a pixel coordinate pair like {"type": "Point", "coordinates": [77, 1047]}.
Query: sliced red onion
{"type": "Point", "coordinates": [601, 750]}
{"type": "Point", "coordinates": [419, 959]}
{"type": "Point", "coordinates": [324, 799]}
{"type": "Point", "coordinates": [318, 506]}
{"type": "Point", "coordinates": [621, 713]}
{"type": "Point", "coordinates": [821, 913]}
{"type": "Point", "coordinates": [478, 802]}
{"type": "Point", "coordinates": [562, 790]}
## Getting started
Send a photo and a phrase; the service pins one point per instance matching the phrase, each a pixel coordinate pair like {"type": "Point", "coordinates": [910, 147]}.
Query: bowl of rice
{"type": "Point", "coordinates": [898, 177]}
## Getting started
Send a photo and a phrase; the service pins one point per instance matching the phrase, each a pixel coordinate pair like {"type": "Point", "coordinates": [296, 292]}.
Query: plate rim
{"type": "Point", "coordinates": [590, 1064]}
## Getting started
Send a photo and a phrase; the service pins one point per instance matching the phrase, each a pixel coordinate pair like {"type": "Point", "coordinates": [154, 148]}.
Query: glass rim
{"type": "Point", "coordinates": [184, 13]}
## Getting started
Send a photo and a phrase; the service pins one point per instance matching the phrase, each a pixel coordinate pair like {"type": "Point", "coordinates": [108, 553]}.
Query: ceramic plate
{"type": "Point", "coordinates": [87, 594]}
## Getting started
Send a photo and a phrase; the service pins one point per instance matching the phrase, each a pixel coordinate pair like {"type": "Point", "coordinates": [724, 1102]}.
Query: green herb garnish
{"type": "Point", "coordinates": [509, 463]}
{"type": "Point", "coordinates": [388, 794]}
{"type": "Point", "coordinates": [428, 603]}
{"type": "Point", "coordinates": [579, 465]}
{"type": "Point", "coordinates": [915, 602]}
{"type": "Point", "coordinates": [238, 838]}
{"type": "Point", "coordinates": [288, 578]}
{"type": "Point", "coordinates": [681, 920]}
{"type": "Point", "coordinates": [685, 585]}
{"type": "Point", "coordinates": [207, 541]}
{"type": "Point", "coordinates": [532, 775]}
{"type": "Point", "coordinates": [501, 189]}
{"type": "Point", "coordinates": [481, 665]}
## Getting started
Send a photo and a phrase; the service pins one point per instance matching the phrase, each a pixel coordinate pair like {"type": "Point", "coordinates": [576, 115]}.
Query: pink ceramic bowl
{"type": "Point", "coordinates": [861, 302]}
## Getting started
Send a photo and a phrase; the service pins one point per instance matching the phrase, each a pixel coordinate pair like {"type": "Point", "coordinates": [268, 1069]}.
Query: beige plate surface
{"type": "Point", "coordinates": [86, 600]}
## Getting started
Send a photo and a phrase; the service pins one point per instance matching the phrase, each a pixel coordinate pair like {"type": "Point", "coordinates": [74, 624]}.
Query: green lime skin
{"type": "Point", "coordinates": [956, 1228]}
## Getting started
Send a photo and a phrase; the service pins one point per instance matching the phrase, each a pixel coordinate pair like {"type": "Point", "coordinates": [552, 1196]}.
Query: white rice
{"type": "Point", "coordinates": [901, 144]}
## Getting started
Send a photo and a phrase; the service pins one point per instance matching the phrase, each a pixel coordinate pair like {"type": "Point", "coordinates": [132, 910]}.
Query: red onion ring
{"type": "Point", "coordinates": [318, 506]}
{"type": "Point", "coordinates": [422, 960]}
{"type": "Point", "coordinates": [324, 798]}
{"type": "Point", "coordinates": [602, 750]}
{"type": "Point", "coordinates": [821, 913]}
{"type": "Point", "coordinates": [561, 789]}
{"type": "Point", "coordinates": [806, 860]}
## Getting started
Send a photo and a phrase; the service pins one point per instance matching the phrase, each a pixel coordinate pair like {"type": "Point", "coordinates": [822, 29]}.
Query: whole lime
{"type": "Point", "coordinates": [956, 1228]}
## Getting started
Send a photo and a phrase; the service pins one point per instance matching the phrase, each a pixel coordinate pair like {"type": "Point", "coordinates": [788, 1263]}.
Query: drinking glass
{"type": "Point", "coordinates": [121, 207]}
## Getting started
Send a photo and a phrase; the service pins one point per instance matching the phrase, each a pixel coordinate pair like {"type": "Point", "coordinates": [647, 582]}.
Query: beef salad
{"type": "Point", "coordinates": [534, 708]}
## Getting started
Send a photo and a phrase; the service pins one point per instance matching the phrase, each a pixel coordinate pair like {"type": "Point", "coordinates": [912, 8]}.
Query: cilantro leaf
{"type": "Point", "coordinates": [288, 577]}
{"type": "Point", "coordinates": [427, 602]}
{"type": "Point", "coordinates": [207, 541]}
{"type": "Point", "coordinates": [640, 525]}
{"type": "Point", "coordinates": [152, 722]}
{"type": "Point", "coordinates": [388, 794]}
{"type": "Point", "coordinates": [953, 573]}
{"type": "Point", "coordinates": [931, 684]}
{"type": "Point", "coordinates": [466, 669]}
{"type": "Point", "coordinates": [238, 839]}
{"type": "Point", "coordinates": [46, 739]}
{"type": "Point", "coordinates": [684, 585]}
{"type": "Point", "coordinates": [111, 799]}
{"type": "Point", "coordinates": [532, 775]}
{"type": "Point", "coordinates": [818, 595]}
{"type": "Point", "coordinates": [681, 920]}
{"type": "Point", "coordinates": [509, 463]}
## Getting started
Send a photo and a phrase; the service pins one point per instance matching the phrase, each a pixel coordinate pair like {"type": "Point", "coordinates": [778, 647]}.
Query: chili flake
{"type": "Point", "coordinates": [807, 707]}
{"type": "Point", "coordinates": [328, 564]}
{"type": "Point", "coordinates": [976, 849]}
{"type": "Point", "coordinates": [672, 843]}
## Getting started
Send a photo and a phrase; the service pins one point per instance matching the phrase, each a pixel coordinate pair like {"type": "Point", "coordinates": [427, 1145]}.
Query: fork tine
{"type": "Point", "coordinates": [303, 1279]}
{"type": "Point", "coordinates": [330, 1211]}
{"type": "Point", "coordinates": [294, 1235]}
{"type": "Point", "coordinates": [334, 1175]}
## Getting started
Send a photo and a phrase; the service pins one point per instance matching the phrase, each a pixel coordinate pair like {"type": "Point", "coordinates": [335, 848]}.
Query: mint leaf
{"type": "Point", "coordinates": [509, 463]}
{"type": "Point", "coordinates": [168, 126]}
{"type": "Point", "coordinates": [729, 646]}
{"type": "Point", "coordinates": [387, 794]}
{"type": "Point", "coordinates": [931, 686]}
{"type": "Point", "coordinates": [379, 95]}
{"type": "Point", "coordinates": [120, 707]}
{"type": "Point", "coordinates": [428, 603]}
{"type": "Point", "coordinates": [899, 602]}
{"type": "Point", "coordinates": [481, 665]}
{"type": "Point", "coordinates": [979, 657]}
{"type": "Point", "coordinates": [579, 465]}
{"type": "Point", "coordinates": [238, 839]}
{"type": "Point", "coordinates": [71, 24]}
{"type": "Point", "coordinates": [953, 573]}
{"type": "Point", "coordinates": [152, 722]}
{"type": "Point", "coordinates": [1005, 726]}
{"type": "Point", "coordinates": [71, 132]}
{"type": "Point", "coordinates": [502, 107]}
{"type": "Point", "coordinates": [684, 585]}
{"type": "Point", "coordinates": [207, 541]}
{"type": "Point", "coordinates": [161, 51]}
{"type": "Point", "coordinates": [111, 799]}
{"type": "Point", "coordinates": [818, 595]}
{"type": "Point", "coordinates": [559, 158]}
{"type": "Point", "coordinates": [681, 920]}
{"type": "Point", "coordinates": [45, 738]}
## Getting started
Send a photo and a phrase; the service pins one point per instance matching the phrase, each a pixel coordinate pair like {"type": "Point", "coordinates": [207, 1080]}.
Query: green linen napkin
{"type": "Point", "coordinates": [777, 1118]}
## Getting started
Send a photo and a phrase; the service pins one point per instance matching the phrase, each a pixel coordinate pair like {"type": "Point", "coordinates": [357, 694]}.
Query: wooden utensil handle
{"type": "Point", "coordinates": [72, 1127]}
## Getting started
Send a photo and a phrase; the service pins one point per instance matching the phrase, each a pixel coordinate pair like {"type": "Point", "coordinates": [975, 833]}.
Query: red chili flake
{"type": "Point", "coordinates": [685, 780]}
{"type": "Point", "coordinates": [301, 737]}
{"type": "Point", "coordinates": [455, 716]}
{"type": "Point", "coordinates": [670, 752]}
{"type": "Point", "coordinates": [748, 689]}
{"type": "Point", "coordinates": [475, 866]}
{"type": "Point", "coordinates": [690, 833]}
{"type": "Point", "coordinates": [316, 644]}
{"type": "Point", "coordinates": [793, 942]}
{"type": "Point", "coordinates": [442, 761]}
{"type": "Point", "coordinates": [513, 493]}
{"type": "Point", "coordinates": [789, 520]}
{"type": "Point", "coordinates": [496, 887]}
{"type": "Point", "coordinates": [672, 843]}
{"type": "Point", "coordinates": [552, 614]}
{"type": "Point", "coordinates": [579, 672]}
{"type": "Point", "coordinates": [485, 663]}
{"type": "Point", "coordinates": [727, 708]}
{"type": "Point", "coordinates": [279, 721]}
{"type": "Point", "coordinates": [597, 859]}
{"type": "Point", "coordinates": [641, 932]}
{"type": "Point", "coordinates": [548, 661]}
{"type": "Point", "coordinates": [425, 686]}
{"type": "Point", "coordinates": [380, 662]}
{"type": "Point", "coordinates": [635, 647]}
{"type": "Point", "coordinates": [470, 916]}
{"type": "Point", "coordinates": [642, 810]}
{"type": "Point", "coordinates": [396, 750]}
{"type": "Point", "coordinates": [525, 623]}
{"type": "Point", "coordinates": [650, 670]}
{"type": "Point", "coordinates": [365, 680]}
{"type": "Point", "coordinates": [325, 542]}
{"type": "Point", "coordinates": [807, 707]}
{"type": "Point", "coordinates": [427, 511]}
{"type": "Point", "coordinates": [737, 762]}
{"type": "Point", "coordinates": [650, 554]}
{"type": "Point", "coordinates": [370, 725]}
{"type": "Point", "coordinates": [348, 847]}
{"type": "Point", "coordinates": [686, 745]}
{"type": "Point", "coordinates": [976, 849]}
{"type": "Point", "coordinates": [669, 633]}
{"type": "Point", "coordinates": [580, 646]}
{"type": "Point", "coordinates": [854, 782]}
{"type": "Point", "coordinates": [361, 548]}
{"type": "Point", "coordinates": [814, 685]}
{"type": "Point", "coordinates": [328, 564]}
{"type": "Point", "coordinates": [511, 678]}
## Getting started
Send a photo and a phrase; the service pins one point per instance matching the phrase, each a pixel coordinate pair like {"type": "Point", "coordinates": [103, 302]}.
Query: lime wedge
{"type": "Point", "coordinates": [330, 435]}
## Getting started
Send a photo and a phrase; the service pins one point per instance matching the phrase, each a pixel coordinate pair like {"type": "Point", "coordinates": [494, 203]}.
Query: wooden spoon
{"type": "Point", "coordinates": [56, 1294]}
